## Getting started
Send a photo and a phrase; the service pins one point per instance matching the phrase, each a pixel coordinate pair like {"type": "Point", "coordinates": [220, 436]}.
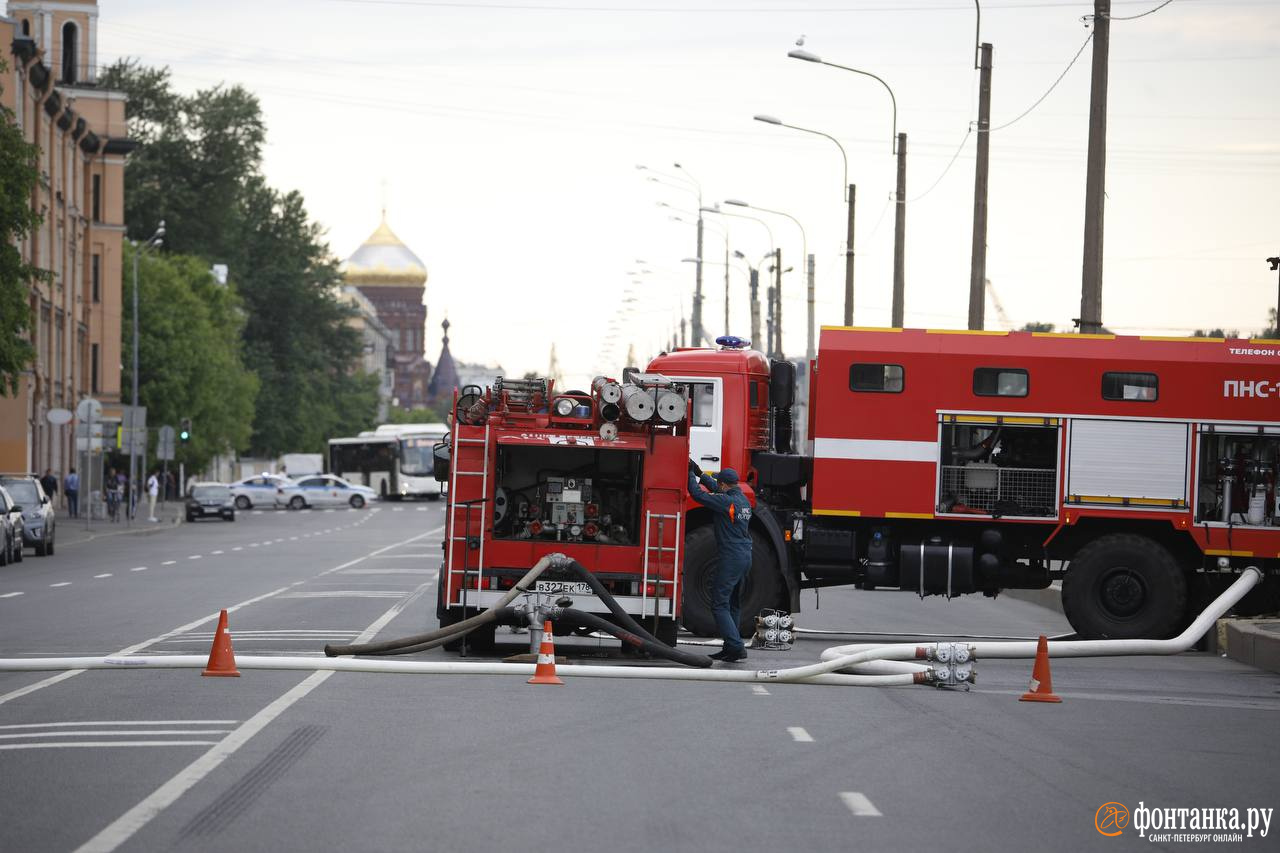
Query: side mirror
{"type": "Point", "coordinates": [16, 508]}
{"type": "Point", "coordinates": [44, 500]}
{"type": "Point", "coordinates": [440, 459]}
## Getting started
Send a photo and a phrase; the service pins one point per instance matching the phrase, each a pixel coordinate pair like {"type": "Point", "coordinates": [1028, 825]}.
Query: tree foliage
{"type": "Point", "coordinates": [189, 362]}
{"type": "Point", "coordinates": [420, 415]}
{"type": "Point", "coordinates": [18, 177]}
{"type": "Point", "coordinates": [199, 170]}
{"type": "Point", "coordinates": [1037, 327]}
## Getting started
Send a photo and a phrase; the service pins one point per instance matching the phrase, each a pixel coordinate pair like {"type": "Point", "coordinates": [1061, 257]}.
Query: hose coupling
{"type": "Point", "coordinates": [951, 653]}
{"type": "Point", "coordinates": [951, 675]}
{"type": "Point", "coordinates": [559, 561]}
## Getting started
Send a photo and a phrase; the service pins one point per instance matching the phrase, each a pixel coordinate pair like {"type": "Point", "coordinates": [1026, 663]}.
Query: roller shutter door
{"type": "Point", "coordinates": [1128, 459]}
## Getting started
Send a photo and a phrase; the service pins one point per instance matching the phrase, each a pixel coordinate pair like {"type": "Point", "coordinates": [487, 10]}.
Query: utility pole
{"type": "Point", "coordinates": [1095, 180]}
{"type": "Point", "coordinates": [899, 234]}
{"type": "Point", "coordinates": [755, 305]}
{"type": "Point", "coordinates": [777, 303]}
{"type": "Point", "coordinates": [696, 320]}
{"type": "Point", "coordinates": [978, 267]}
{"type": "Point", "coordinates": [808, 347]}
{"type": "Point", "coordinates": [848, 273]}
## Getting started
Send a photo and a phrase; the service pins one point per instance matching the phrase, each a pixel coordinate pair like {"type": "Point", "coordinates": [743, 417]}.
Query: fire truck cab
{"type": "Point", "coordinates": [1139, 471]}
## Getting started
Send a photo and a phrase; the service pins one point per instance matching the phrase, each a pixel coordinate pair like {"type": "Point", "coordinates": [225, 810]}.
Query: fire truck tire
{"type": "Point", "coordinates": [1124, 587]}
{"type": "Point", "coordinates": [764, 586]}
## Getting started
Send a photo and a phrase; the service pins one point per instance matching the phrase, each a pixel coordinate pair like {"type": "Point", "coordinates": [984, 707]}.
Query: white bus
{"type": "Point", "coordinates": [394, 460]}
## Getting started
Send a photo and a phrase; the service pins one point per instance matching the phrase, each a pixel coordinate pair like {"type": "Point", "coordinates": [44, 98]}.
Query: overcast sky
{"type": "Point", "coordinates": [504, 138]}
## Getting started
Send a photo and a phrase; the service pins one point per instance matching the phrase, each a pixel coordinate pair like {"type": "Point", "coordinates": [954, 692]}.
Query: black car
{"type": "Point", "coordinates": [37, 512]}
{"type": "Point", "coordinates": [10, 529]}
{"type": "Point", "coordinates": [211, 499]}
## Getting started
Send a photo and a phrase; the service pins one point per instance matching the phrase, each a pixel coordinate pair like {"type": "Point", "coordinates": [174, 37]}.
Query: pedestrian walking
{"type": "Point", "coordinates": [731, 520]}
{"type": "Point", "coordinates": [50, 485]}
{"type": "Point", "coordinates": [71, 488]}
{"type": "Point", "coordinates": [153, 492]}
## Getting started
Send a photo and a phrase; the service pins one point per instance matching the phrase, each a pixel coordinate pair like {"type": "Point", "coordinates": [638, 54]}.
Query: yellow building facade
{"type": "Point", "coordinates": [50, 50]}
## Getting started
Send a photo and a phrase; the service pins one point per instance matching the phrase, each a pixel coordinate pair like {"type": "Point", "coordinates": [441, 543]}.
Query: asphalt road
{"type": "Point", "coordinates": [161, 760]}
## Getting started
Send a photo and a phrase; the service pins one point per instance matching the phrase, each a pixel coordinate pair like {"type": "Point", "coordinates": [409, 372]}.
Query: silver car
{"type": "Point", "coordinates": [326, 490]}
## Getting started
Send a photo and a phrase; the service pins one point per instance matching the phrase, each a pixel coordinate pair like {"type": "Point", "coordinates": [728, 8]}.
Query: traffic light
{"type": "Point", "coordinates": [184, 430]}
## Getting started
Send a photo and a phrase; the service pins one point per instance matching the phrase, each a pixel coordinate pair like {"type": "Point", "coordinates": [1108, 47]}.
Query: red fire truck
{"type": "Point", "coordinates": [598, 476]}
{"type": "Point", "coordinates": [1141, 471]}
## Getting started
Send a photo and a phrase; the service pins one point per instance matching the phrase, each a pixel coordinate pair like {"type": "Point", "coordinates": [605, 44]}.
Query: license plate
{"type": "Point", "coordinates": [563, 587]}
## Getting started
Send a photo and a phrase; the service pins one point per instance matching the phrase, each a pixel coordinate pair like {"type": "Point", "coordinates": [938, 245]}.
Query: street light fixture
{"type": "Point", "coordinates": [804, 244]}
{"type": "Point", "coordinates": [899, 146]}
{"type": "Point", "coordinates": [154, 241]}
{"type": "Point", "coordinates": [698, 334]}
{"type": "Point", "coordinates": [850, 197]}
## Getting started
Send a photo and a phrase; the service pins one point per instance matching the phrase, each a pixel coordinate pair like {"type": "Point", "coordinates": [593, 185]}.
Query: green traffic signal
{"type": "Point", "coordinates": [184, 431]}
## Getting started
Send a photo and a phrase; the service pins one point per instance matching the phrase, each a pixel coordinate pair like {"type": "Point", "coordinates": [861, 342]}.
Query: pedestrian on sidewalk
{"type": "Point", "coordinates": [153, 491]}
{"type": "Point", "coordinates": [71, 488]}
{"type": "Point", "coordinates": [50, 485]}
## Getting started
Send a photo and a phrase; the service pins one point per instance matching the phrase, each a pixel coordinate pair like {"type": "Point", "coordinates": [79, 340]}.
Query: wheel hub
{"type": "Point", "coordinates": [1123, 593]}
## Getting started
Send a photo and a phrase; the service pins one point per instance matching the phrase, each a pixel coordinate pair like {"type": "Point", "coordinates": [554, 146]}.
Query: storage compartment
{"type": "Point", "coordinates": [937, 568]}
{"type": "Point", "coordinates": [568, 494]}
{"type": "Point", "coordinates": [830, 553]}
{"type": "Point", "coordinates": [781, 470]}
{"type": "Point", "coordinates": [1237, 479]}
{"type": "Point", "coordinates": [995, 469]}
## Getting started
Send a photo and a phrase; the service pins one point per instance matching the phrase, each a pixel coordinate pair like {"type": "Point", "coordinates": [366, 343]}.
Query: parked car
{"type": "Point", "coordinates": [210, 499]}
{"type": "Point", "coordinates": [11, 521]}
{"type": "Point", "coordinates": [328, 490]}
{"type": "Point", "coordinates": [261, 490]}
{"type": "Point", "coordinates": [37, 512]}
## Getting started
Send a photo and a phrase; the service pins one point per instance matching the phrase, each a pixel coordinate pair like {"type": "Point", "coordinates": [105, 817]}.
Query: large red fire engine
{"type": "Point", "coordinates": [1140, 471]}
{"type": "Point", "coordinates": [598, 476]}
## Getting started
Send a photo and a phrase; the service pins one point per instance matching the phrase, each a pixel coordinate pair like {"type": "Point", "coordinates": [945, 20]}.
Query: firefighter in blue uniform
{"type": "Point", "coordinates": [731, 518]}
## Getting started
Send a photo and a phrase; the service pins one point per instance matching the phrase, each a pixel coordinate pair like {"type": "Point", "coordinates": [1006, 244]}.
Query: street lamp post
{"type": "Point", "coordinates": [899, 146]}
{"type": "Point", "coordinates": [696, 320]}
{"type": "Point", "coordinates": [153, 241]}
{"type": "Point", "coordinates": [850, 196]}
{"type": "Point", "coordinates": [804, 252]}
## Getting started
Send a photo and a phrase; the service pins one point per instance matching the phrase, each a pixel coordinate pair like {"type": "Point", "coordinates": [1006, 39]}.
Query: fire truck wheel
{"type": "Point", "coordinates": [763, 587]}
{"type": "Point", "coordinates": [1124, 587]}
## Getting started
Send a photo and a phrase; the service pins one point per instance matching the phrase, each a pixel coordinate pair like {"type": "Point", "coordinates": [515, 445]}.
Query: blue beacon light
{"type": "Point", "coordinates": [732, 342]}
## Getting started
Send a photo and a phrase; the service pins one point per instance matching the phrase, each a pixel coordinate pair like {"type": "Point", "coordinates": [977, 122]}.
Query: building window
{"type": "Point", "coordinates": [96, 201]}
{"type": "Point", "coordinates": [95, 276]}
{"type": "Point", "coordinates": [93, 369]}
{"type": "Point", "coordinates": [1000, 382]}
{"type": "Point", "coordinates": [26, 27]}
{"type": "Point", "coordinates": [886, 378]}
{"type": "Point", "coordinates": [69, 52]}
{"type": "Point", "coordinates": [1144, 387]}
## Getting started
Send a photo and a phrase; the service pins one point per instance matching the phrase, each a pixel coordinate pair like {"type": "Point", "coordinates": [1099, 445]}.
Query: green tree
{"type": "Point", "coordinates": [1215, 333]}
{"type": "Point", "coordinates": [199, 170]}
{"type": "Point", "coordinates": [421, 415]}
{"type": "Point", "coordinates": [189, 363]}
{"type": "Point", "coordinates": [18, 178]}
{"type": "Point", "coordinates": [1037, 327]}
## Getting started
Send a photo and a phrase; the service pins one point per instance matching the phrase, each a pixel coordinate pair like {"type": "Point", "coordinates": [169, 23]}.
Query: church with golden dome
{"type": "Point", "coordinates": [394, 279]}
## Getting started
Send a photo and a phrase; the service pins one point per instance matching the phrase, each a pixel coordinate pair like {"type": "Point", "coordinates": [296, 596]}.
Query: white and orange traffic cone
{"type": "Point", "coordinates": [1041, 688]}
{"type": "Point", "coordinates": [222, 659]}
{"type": "Point", "coordinates": [545, 671]}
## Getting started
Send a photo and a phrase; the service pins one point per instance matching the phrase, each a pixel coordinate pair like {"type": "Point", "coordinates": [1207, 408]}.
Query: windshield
{"type": "Point", "coordinates": [22, 491]}
{"type": "Point", "coordinates": [415, 454]}
{"type": "Point", "coordinates": [210, 493]}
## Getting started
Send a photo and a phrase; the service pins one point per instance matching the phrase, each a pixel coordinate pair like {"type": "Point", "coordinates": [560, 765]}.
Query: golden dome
{"type": "Point", "coordinates": [384, 260]}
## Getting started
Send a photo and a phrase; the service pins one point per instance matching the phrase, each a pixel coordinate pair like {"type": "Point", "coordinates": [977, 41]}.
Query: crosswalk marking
{"type": "Point", "coordinates": [859, 804]}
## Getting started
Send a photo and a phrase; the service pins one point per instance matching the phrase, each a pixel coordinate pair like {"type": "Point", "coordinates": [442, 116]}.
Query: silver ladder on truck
{"type": "Point", "coordinates": [655, 563]}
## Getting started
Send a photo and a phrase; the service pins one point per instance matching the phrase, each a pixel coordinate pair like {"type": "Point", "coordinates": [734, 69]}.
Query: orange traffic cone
{"type": "Point", "coordinates": [1041, 688]}
{"type": "Point", "coordinates": [222, 660]}
{"type": "Point", "coordinates": [545, 671]}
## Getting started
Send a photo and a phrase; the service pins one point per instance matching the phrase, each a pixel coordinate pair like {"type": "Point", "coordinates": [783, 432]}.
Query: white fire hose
{"type": "Point", "coordinates": [870, 664]}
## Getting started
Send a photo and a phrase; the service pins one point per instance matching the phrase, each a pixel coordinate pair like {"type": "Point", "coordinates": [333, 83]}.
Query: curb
{"type": "Point", "coordinates": [150, 530]}
{"type": "Point", "coordinates": [1255, 642]}
{"type": "Point", "coordinates": [1049, 597]}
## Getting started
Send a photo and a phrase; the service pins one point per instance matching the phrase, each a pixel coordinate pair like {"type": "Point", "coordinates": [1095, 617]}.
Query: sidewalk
{"type": "Point", "coordinates": [71, 531]}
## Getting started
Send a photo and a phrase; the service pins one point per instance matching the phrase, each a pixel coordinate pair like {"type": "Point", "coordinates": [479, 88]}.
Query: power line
{"type": "Point", "coordinates": [1143, 15]}
{"type": "Point", "coordinates": [1050, 89]}
{"type": "Point", "coordinates": [950, 163]}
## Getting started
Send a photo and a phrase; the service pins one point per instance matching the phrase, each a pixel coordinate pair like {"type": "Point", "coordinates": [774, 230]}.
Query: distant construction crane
{"type": "Point", "coordinates": [995, 302]}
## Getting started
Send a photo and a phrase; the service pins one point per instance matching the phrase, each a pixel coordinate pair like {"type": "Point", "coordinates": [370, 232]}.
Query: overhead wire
{"type": "Point", "coordinates": [1040, 100]}
{"type": "Point", "coordinates": [1143, 15]}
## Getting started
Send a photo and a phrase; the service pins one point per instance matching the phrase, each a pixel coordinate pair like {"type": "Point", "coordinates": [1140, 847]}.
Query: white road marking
{"type": "Point", "coordinates": [760, 690]}
{"type": "Point", "coordinates": [389, 571]}
{"type": "Point", "coordinates": [12, 594]}
{"type": "Point", "coordinates": [348, 593]}
{"type": "Point", "coordinates": [253, 544]}
{"type": "Point", "coordinates": [291, 539]}
{"type": "Point", "coordinates": [257, 512]}
{"type": "Point", "coordinates": [217, 552]}
{"type": "Point", "coordinates": [168, 562]}
{"type": "Point", "coordinates": [71, 673]}
{"type": "Point", "coordinates": [121, 723]}
{"type": "Point", "coordinates": [138, 569]}
{"type": "Point", "coordinates": [397, 509]}
{"type": "Point", "coordinates": [56, 585]}
{"type": "Point", "coordinates": [405, 556]}
{"type": "Point", "coordinates": [194, 557]}
{"type": "Point", "coordinates": [100, 743]}
{"type": "Point", "coordinates": [237, 548]}
{"type": "Point", "coordinates": [859, 804]}
{"type": "Point", "coordinates": [125, 826]}
{"type": "Point", "coordinates": [799, 735]}
{"type": "Point", "coordinates": [115, 733]}
{"type": "Point", "coordinates": [103, 575]}
{"type": "Point", "coordinates": [422, 509]}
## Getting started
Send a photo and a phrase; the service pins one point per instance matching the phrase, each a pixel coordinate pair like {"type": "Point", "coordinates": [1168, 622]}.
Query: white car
{"type": "Point", "coordinates": [327, 490]}
{"type": "Point", "coordinates": [262, 490]}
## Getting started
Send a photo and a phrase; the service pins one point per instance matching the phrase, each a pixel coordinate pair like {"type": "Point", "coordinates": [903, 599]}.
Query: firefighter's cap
{"type": "Point", "coordinates": [728, 475]}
